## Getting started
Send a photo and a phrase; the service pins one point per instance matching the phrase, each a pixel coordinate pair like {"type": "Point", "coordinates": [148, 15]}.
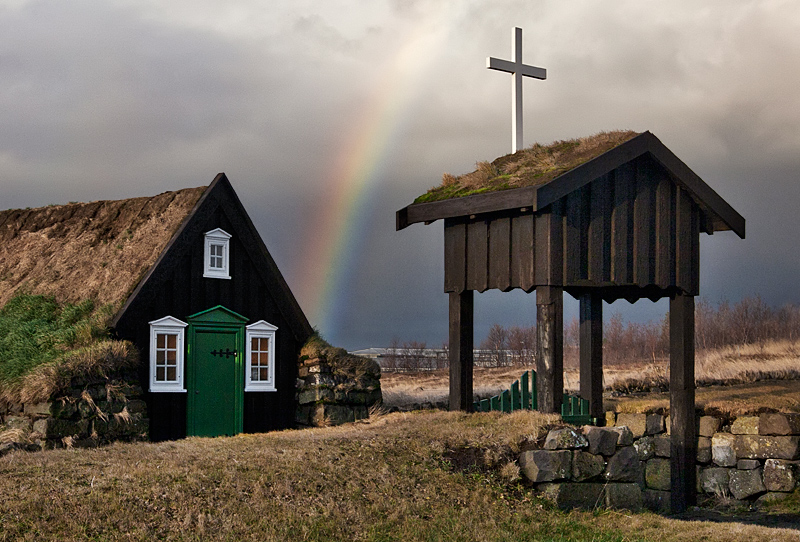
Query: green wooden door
{"type": "Point", "coordinates": [215, 384]}
{"type": "Point", "coordinates": [215, 373]}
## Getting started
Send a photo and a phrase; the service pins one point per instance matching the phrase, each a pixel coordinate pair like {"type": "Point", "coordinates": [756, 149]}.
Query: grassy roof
{"type": "Point", "coordinates": [534, 166]}
{"type": "Point", "coordinates": [98, 250]}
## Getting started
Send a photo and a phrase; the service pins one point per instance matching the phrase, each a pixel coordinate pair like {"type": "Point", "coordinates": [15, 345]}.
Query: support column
{"type": "Point", "coordinates": [550, 347]}
{"type": "Point", "coordinates": [591, 352]}
{"type": "Point", "coordinates": [461, 330]}
{"type": "Point", "coordinates": [683, 429]}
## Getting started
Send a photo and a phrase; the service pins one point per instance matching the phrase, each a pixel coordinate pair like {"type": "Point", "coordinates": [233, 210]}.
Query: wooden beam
{"type": "Point", "coordinates": [550, 347]}
{"type": "Point", "coordinates": [461, 327]}
{"type": "Point", "coordinates": [591, 351]}
{"type": "Point", "coordinates": [683, 445]}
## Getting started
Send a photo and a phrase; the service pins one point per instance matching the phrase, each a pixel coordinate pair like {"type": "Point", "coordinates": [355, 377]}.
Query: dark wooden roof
{"type": "Point", "coordinates": [719, 215]}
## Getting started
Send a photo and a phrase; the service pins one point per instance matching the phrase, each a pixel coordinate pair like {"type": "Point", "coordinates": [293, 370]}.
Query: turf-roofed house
{"type": "Point", "coordinates": [198, 312]}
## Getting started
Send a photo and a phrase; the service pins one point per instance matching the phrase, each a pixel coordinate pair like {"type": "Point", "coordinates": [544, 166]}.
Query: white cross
{"type": "Point", "coordinates": [517, 69]}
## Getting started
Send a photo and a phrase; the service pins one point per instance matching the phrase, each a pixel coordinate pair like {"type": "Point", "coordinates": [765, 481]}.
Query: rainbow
{"type": "Point", "coordinates": [340, 223]}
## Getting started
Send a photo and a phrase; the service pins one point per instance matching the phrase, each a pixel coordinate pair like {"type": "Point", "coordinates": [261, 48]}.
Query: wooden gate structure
{"type": "Point", "coordinates": [625, 224]}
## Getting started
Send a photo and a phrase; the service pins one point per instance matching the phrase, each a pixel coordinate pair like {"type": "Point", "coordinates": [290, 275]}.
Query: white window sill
{"type": "Point", "coordinates": [260, 388]}
{"type": "Point", "coordinates": [167, 390]}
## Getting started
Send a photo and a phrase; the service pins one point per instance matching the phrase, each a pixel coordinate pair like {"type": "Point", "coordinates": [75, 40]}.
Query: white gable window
{"type": "Point", "coordinates": [217, 255]}
{"type": "Point", "coordinates": [260, 370]}
{"type": "Point", "coordinates": [166, 355]}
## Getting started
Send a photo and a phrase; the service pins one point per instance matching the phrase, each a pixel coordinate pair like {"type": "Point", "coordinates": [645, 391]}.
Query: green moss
{"type": "Point", "coordinates": [35, 329]}
{"type": "Point", "coordinates": [534, 166]}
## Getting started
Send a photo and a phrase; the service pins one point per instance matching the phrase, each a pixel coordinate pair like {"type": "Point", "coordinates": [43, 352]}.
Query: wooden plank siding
{"type": "Point", "coordinates": [175, 287]}
{"type": "Point", "coordinates": [633, 227]}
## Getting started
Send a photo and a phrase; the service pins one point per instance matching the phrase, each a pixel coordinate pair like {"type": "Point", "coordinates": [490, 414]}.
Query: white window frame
{"type": "Point", "coordinates": [168, 326]}
{"type": "Point", "coordinates": [262, 330]}
{"type": "Point", "coordinates": [221, 238]}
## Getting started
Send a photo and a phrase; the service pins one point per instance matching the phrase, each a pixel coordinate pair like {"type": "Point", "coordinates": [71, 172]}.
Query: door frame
{"type": "Point", "coordinates": [221, 320]}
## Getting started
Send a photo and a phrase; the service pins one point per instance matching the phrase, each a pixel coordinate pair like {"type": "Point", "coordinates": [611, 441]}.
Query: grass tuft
{"type": "Point", "coordinates": [43, 345]}
{"type": "Point", "coordinates": [534, 166]}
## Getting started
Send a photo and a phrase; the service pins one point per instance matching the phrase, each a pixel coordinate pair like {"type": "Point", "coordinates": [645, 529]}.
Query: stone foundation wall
{"type": "Point", "coordinates": [627, 465]}
{"type": "Point", "coordinates": [89, 414]}
{"type": "Point", "coordinates": [328, 395]}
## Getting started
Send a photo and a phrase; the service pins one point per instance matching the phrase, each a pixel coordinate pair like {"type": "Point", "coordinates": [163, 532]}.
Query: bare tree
{"type": "Point", "coordinates": [495, 344]}
{"type": "Point", "coordinates": [522, 345]}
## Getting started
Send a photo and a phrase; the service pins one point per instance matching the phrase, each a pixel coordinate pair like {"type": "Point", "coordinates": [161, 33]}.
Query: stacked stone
{"type": "Point", "coordinates": [757, 459]}
{"type": "Point", "coordinates": [88, 414]}
{"type": "Point", "coordinates": [628, 466]}
{"type": "Point", "coordinates": [328, 397]}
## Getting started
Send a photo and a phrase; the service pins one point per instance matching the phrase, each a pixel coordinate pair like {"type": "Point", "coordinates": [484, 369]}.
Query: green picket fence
{"type": "Point", "coordinates": [522, 396]}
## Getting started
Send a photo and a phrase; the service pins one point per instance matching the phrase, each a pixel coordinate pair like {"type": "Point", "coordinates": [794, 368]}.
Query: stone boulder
{"type": "Point", "coordinates": [654, 424]}
{"type": "Point", "coordinates": [586, 465]}
{"type": "Point", "coordinates": [781, 475]}
{"type": "Point", "coordinates": [624, 466]}
{"type": "Point", "coordinates": [707, 426]}
{"type": "Point", "coordinates": [746, 483]}
{"type": "Point", "coordinates": [715, 480]}
{"type": "Point", "coordinates": [624, 496]}
{"type": "Point", "coordinates": [657, 474]}
{"type": "Point", "coordinates": [637, 423]}
{"type": "Point", "coordinates": [602, 440]}
{"type": "Point", "coordinates": [722, 449]}
{"type": "Point", "coordinates": [624, 435]}
{"type": "Point", "coordinates": [565, 439]}
{"type": "Point", "coordinates": [745, 425]}
{"type": "Point", "coordinates": [703, 450]}
{"type": "Point", "coordinates": [645, 447]}
{"type": "Point", "coordinates": [758, 447]}
{"type": "Point", "coordinates": [546, 465]}
{"type": "Point", "coordinates": [779, 424]}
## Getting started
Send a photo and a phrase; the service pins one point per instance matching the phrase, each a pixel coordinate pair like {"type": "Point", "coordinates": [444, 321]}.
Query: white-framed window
{"type": "Point", "coordinates": [260, 369]}
{"type": "Point", "coordinates": [166, 355]}
{"type": "Point", "coordinates": [216, 254]}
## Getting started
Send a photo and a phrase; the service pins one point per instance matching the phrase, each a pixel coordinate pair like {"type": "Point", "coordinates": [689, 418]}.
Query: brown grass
{"type": "Point", "coordinates": [97, 250]}
{"type": "Point", "coordinates": [534, 166]}
{"type": "Point", "coordinates": [732, 381]}
{"type": "Point", "coordinates": [98, 360]}
{"type": "Point", "coordinates": [406, 476]}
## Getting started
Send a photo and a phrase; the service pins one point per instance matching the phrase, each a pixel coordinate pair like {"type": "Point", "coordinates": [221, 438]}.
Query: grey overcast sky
{"type": "Point", "coordinates": [328, 116]}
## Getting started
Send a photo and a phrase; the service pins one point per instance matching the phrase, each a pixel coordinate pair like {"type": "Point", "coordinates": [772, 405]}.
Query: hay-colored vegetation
{"type": "Point", "coordinates": [43, 345]}
{"type": "Point", "coordinates": [534, 166]}
{"type": "Point", "coordinates": [400, 477]}
{"type": "Point", "coordinates": [98, 250]}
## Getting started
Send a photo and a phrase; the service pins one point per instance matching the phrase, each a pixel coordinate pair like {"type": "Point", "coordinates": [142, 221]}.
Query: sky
{"type": "Point", "coordinates": [329, 116]}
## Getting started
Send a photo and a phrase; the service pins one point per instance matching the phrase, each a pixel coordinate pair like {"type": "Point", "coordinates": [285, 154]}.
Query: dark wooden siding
{"type": "Point", "coordinates": [633, 228]}
{"type": "Point", "coordinates": [177, 288]}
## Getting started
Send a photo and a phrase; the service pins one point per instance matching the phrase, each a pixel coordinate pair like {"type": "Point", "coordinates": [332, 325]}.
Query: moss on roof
{"type": "Point", "coordinates": [98, 250]}
{"type": "Point", "coordinates": [534, 166]}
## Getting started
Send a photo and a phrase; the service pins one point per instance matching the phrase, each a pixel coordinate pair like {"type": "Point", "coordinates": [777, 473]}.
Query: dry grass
{"type": "Point", "coordinates": [534, 166]}
{"type": "Point", "coordinates": [406, 476]}
{"type": "Point", "coordinates": [732, 381]}
{"type": "Point", "coordinates": [98, 360]}
{"type": "Point", "coordinates": [97, 250]}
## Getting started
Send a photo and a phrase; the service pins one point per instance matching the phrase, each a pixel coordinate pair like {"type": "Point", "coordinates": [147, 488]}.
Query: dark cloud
{"type": "Point", "coordinates": [108, 100]}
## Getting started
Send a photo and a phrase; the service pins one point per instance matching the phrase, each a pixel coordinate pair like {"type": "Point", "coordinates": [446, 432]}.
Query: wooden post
{"type": "Point", "coordinates": [683, 445]}
{"type": "Point", "coordinates": [550, 347]}
{"type": "Point", "coordinates": [461, 350]}
{"type": "Point", "coordinates": [591, 352]}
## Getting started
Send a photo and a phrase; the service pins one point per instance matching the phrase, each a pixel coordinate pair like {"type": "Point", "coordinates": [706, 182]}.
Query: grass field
{"type": "Point", "coordinates": [724, 382]}
{"type": "Point", "coordinates": [427, 475]}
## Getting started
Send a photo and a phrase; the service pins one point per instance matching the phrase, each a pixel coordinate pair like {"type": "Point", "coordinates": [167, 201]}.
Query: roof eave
{"type": "Point", "coordinates": [723, 216]}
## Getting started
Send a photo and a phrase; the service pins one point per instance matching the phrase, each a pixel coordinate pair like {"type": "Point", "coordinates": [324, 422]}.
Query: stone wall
{"type": "Point", "coordinates": [334, 388]}
{"type": "Point", "coordinates": [627, 465]}
{"type": "Point", "coordinates": [90, 413]}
